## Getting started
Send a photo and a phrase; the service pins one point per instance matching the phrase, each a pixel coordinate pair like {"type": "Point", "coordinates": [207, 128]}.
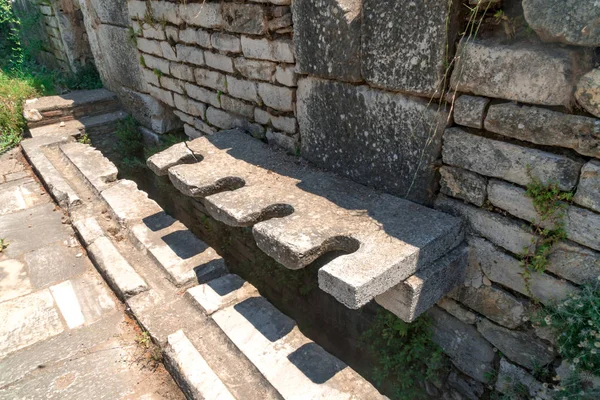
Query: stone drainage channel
{"type": "Point", "coordinates": [218, 336]}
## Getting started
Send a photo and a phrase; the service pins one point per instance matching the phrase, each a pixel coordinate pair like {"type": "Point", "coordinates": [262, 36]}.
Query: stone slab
{"type": "Point", "coordinates": [468, 350]}
{"type": "Point", "coordinates": [388, 242]}
{"type": "Point", "coordinates": [43, 226]}
{"type": "Point", "coordinates": [20, 194]}
{"type": "Point", "coordinates": [410, 55]}
{"type": "Point", "coordinates": [118, 272]}
{"type": "Point", "coordinates": [575, 263]}
{"type": "Point", "coordinates": [96, 169]}
{"type": "Point", "coordinates": [588, 190]}
{"type": "Point", "coordinates": [74, 99]}
{"type": "Point", "coordinates": [27, 320]}
{"type": "Point", "coordinates": [15, 281]}
{"type": "Point", "coordinates": [380, 139]}
{"type": "Point", "coordinates": [185, 258]}
{"type": "Point", "coordinates": [295, 366]}
{"type": "Point", "coordinates": [198, 379]}
{"type": "Point", "coordinates": [524, 348]}
{"type": "Point", "coordinates": [78, 126]}
{"type": "Point", "coordinates": [88, 230]}
{"type": "Point", "coordinates": [160, 163]}
{"type": "Point", "coordinates": [508, 161]}
{"type": "Point", "coordinates": [521, 72]}
{"type": "Point", "coordinates": [463, 184]}
{"type": "Point", "coordinates": [327, 35]}
{"type": "Point", "coordinates": [221, 292]}
{"type": "Point", "coordinates": [129, 204]}
{"type": "Point", "coordinates": [545, 127]}
{"type": "Point", "coordinates": [470, 110]}
{"type": "Point", "coordinates": [421, 291]}
{"type": "Point", "coordinates": [55, 263]}
{"type": "Point", "coordinates": [580, 26]}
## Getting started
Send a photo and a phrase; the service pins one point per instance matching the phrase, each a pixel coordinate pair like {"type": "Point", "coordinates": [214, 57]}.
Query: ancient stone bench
{"type": "Point", "coordinates": [299, 213]}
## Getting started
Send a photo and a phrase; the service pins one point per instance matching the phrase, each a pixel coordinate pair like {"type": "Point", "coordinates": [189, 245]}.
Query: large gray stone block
{"type": "Point", "coordinates": [508, 161]}
{"type": "Point", "coordinates": [111, 12]}
{"type": "Point", "coordinates": [538, 75]}
{"type": "Point", "coordinates": [588, 92]}
{"type": "Point", "coordinates": [574, 22]}
{"type": "Point", "coordinates": [405, 44]}
{"type": "Point", "coordinates": [545, 127]}
{"type": "Point", "coordinates": [463, 184]}
{"type": "Point", "coordinates": [327, 38]}
{"type": "Point", "coordinates": [380, 139]}
{"type": "Point", "coordinates": [588, 191]}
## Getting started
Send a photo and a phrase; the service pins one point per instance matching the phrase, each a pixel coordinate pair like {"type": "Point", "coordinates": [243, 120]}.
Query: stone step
{"type": "Point", "coordinates": [297, 367]}
{"type": "Point", "coordinates": [54, 109]}
{"type": "Point", "coordinates": [299, 213]}
{"type": "Point", "coordinates": [93, 167]}
{"type": "Point", "coordinates": [97, 124]}
{"type": "Point", "coordinates": [60, 188]}
{"type": "Point", "coordinates": [185, 258]}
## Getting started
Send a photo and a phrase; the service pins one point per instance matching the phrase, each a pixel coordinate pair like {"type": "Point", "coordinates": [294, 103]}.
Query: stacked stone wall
{"type": "Point", "coordinates": [221, 65]}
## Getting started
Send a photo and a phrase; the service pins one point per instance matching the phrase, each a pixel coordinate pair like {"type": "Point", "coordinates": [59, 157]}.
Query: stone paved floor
{"type": "Point", "coordinates": [63, 334]}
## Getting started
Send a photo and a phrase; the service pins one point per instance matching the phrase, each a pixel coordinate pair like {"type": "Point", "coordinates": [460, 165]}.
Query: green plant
{"type": "Point", "coordinates": [132, 35]}
{"type": "Point", "coordinates": [574, 387]}
{"type": "Point", "coordinates": [549, 227]}
{"type": "Point", "coordinates": [84, 139]}
{"type": "Point", "coordinates": [576, 323]}
{"type": "Point", "coordinates": [130, 145]}
{"type": "Point", "coordinates": [404, 353]}
{"type": "Point", "coordinates": [157, 72]}
{"type": "Point", "coordinates": [144, 339]}
{"type": "Point", "coordinates": [3, 244]}
{"type": "Point", "coordinates": [142, 61]}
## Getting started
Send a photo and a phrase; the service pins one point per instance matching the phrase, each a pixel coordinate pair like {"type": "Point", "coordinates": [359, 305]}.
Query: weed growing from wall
{"type": "Point", "coordinates": [405, 354]}
{"type": "Point", "coordinates": [549, 228]}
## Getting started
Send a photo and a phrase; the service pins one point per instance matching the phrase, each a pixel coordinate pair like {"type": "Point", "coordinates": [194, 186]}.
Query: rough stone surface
{"type": "Point", "coordinates": [503, 231]}
{"type": "Point", "coordinates": [378, 138]}
{"type": "Point", "coordinates": [244, 18]}
{"type": "Point", "coordinates": [327, 35]}
{"type": "Point", "coordinates": [179, 153]}
{"type": "Point", "coordinates": [538, 75]}
{"type": "Point", "coordinates": [297, 367]}
{"type": "Point", "coordinates": [254, 69]}
{"type": "Point", "coordinates": [468, 350]}
{"type": "Point", "coordinates": [128, 203]}
{"type": "Point", "coordinates": [91, 164]}
{"type": "Point", "coordinates": [579, 27]}
{"type": "Point", "coordinates": [185, 258]}
{"type": "Point", "coordinates": [545, 127]}
{"type": "Point", "coordinates": [150, 112]}
{"type": "Point", "coordinates": [581, 225]}
{"type": "Point", "coordinates": [199, 379]}
{"type": "Point", "coordinates": [282, 140]}
{"type": "Point", "coordinates": [421, 291]}
{"type": "Point", "coordinates": [120, 275]}
{"type": "Point", "coordinates": [457, 310]}
{"type": "Point", "coordinates": [271, 50]}
{"type": "Point", "coordinates": [317, 223]}
{"type": "Point", "coordinates": [588, 190]}
{"type": "Point", "coordinates": [575, 263]}
{"type": "Point", "coordinates": [588, 92]}
{"type": "Point", "coordinates": [507, 271]}
{"type": "Point", "coordinates": [521, 347]}
{"type": "Point", "coordinates": [277, 97]}
{"type": "Point", "coordinates": [221, 292]}
{"type": "Point", "coordinates": [508, 161]}
{"type": "Point", "coordinates": [510, 375]}
{"type": "Point", "coordinates": [463, 184]}
{"type": "Point", "coordinates": [410, 56]}
{"type": "Point", "coordinates": [496, 304]}
{"type": "Point", "coordinates": [470, 110]}
{"type": "Point", "coordinates": [205, 15]}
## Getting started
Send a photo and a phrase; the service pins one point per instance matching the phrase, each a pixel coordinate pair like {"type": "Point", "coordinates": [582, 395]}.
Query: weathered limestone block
{"type": "Point", "coordinates": [152, 32]}
{"type": "Point", "coordinates": [189, 106]}
{"type": "Point", "coordinates": [168, 51]}
{"type": "Point", "coordinates": [181, 71]}
{"type": "Point", "coordinates": [421, 291]}
{"type": "Point", "coordinates": [244, 18]}
{"type": "Point", "coordinates": [218, 61]}
{"type": "Point", "coordinates": [173, 85]}
{"type": "Point", "coordinates": [225, 42]}
{"type": "Point", "coordinates": [538, 75]}
{"type": "Point", "coordinates": [524, 348]}
{"type": "Point", "coordinates": [327, 37]}
{"type": "Point", "coordinates": [470, 110]}
{"type": "Point", "coordinates": [575, 263]}
{"type": "Point", "coordinates": [509, 376]}
{"type": "Point", "coordinates": [154, 63]}
{"type": "Point", "coordinates": [457, 310]}
{"type": "Point", "coordinates": [242, 89]}
{"type": "Point", "coordinates": [212, 79]}
{"type": "Point", "coordinates": [407, 54]}
{"type": "Point", "coordinates": [281, 50]}
{"type": "Point", "coordinates": [588, 92]}
{"type": "Point", "coordinates": [191, 35]}
{"type": "Point", "coordinates": [288, 143]}
{"type": "Point", "coordinates": [225, 120]}
{"type": "Point", "coordinates": [221, 293]}
{"type": "Point", "coordinates": [161, 94]}
{"type": "Point", "coordinates": [501, 268]}
{"type": "Point", "coordinates": [496, 304]}
{"type": "Point", "coordinates": [277, 97]}
{"type": "Point", "coordinates": [177, 154]}
{"type": "Point", "coordinates": [254, 69]}
{"type": "Point", "coordinates": [581, 225]}
{"type": "Point", "coordinates": [112, 12]}
{"type": "Point", "coordinates": [190, 54]}
{"type": "Point", "coordinates": [378, 138]}
{"type": "Point", "coordinates": [286, 75]}
{"type": "Point", "coordinates": [286, 124]}
{"type": "Point", "coordinates": [574, 22]}
{"type": "Point", "coordinates": [202, 94]}
{"type": "Point", "coordinates": [150, 46]}
{"type": "Point", "coordinates": [468, 350]}
{"type": "Point", "coordinates": [205, 15]}
{"type": "Point", "coordinates": [588, 190]}
{"type": "Point", "coordinates": [545, 127]}
{"type": "Point", "coordinates": [503, 231]}
{"type": "Point", "coordinates": [237, 106]}
{"type": "Point", "coordinates": [508, 161]}
{"type": "Point", "coordinates": [463, 184]}
{"type": "Point", "coordinates": [166, 11]}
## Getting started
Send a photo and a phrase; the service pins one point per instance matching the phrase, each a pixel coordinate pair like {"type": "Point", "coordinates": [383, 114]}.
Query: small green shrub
{"type": "Point", "coordinates": [405, 354]}
{"type": "Point", "coordinates": [576, 323]}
